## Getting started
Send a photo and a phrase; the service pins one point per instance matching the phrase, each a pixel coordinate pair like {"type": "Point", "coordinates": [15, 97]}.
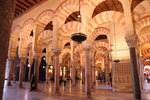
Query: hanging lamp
{"type": "Point", "coordinates": [78, 36]}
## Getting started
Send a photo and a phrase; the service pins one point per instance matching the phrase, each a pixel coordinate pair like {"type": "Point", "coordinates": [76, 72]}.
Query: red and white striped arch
{"type": "Point", "coordinates": [27, 27]}
{"type": "Point", "coordinates": [100, 31]}
{"type": "Point", "coordinates": [13, 49]}
{"type": "Point", "coordinates": [26, 42]}
{"type": "Point", "coordinates": [45, 38]}
{"type": "Point", "coordinates": [44, 17]}
{"type": "Point", "coordinates": [101, 45]}
{"type": "Point", "coordinates": [64, 51]}
{"type": "Point", "coordinates": [146, 63]}
{"type": "Point", "coordinates": [99, 55]}
{"type": "Point", "coordinates": [142, 23]}
{"type": "Point", "coordinates": [67, 8]}
{"type": "Point", "coordinates": [15, 33]}
{"type": "Point", "coordinates": [146, 58]}
{"type": "Point", "coordinates": [105, 17]}
{"type": "Point", "coordinates": [78, 49]}
{"type": "Point", "coordinates": [143, 39]}
{"type": "Point", "coordinates": [70, 27]}
{"type": "Point", "coordinates": [92, 3]}
{"type": "Point", "coordinates": [145, 51]}
{"type": "Point", "coordinates": [141, 9]}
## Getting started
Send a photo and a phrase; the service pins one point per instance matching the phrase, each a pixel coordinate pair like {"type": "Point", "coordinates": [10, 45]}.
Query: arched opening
{"type": "Point", "coordinates": [73, 17]}
{"type": "Point", "coordinates": [42, 69]}
{"type": "Point", "coordinates": [108, 5]}
{"type": "Point", "coordinates": [49, 26]}
{"type": "Point", "coordinates": [67, 46]}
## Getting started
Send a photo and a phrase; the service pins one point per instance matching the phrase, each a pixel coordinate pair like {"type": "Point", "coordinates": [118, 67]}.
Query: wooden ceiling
{"type": "Point", "coordinates": [24, 5]}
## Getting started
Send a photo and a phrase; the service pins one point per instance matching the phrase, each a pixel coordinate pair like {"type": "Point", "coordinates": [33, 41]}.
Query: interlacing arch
{"type": "Point", "coordinates": [100, 31]}
{"type": "Point", "coordinates": [67, 8]}
{"type": "Point", "coordinates": [142, 23]}
{"type": "Point", "coordinates": [45, 38]}
{"type": "Point", "coordinates": [44, 17]}
{"type": "Point", "coordinates": [141, 9]}
{"type": "Point", "coordinates": [103, 17]}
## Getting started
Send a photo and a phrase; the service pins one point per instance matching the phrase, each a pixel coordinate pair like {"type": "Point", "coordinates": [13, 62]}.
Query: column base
{"type": "Point", "coordinates": [9, 84]}
{"type": "Point", "coordinates": [73, 85]}
{"type": "Point", "coordinates": [88, 95]}
{"type": "Point", "coordinates": [57, 93]}
{"type": "Point", "coordinates": [21, 86]}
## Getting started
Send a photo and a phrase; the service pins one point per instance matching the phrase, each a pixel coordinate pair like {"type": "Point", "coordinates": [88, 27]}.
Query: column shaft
{"type": "Point", "coordinates": [10, 71]}
{"type": "Point", "coordinates": [135, 76]}
{"type": "Point", "coordinates": [57, 74]}
{"type": "Point", "coordinates": [47, 68]}
{"type": "Point", "coordinates": [22, 64]}
{"type": "Point", "coordinates": [36, 71]}
{"type": "Point", "coordinates": [87, 74]}
{"type": "Point", "coordinates": [94, 76]}
{"type": "Point", "coordinates": [73, 74]}
{"type": "Point", "coordinates": [7, 8]}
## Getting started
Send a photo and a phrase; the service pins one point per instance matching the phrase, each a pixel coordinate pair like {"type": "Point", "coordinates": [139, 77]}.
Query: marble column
{"type": "Point", "coordinates": [57, 74]}
{"type": "Point", "coordinates": [36, 70]}
{"type": "Point", "coordinates": [73, 73]}
{"type": "Point", "coordinates": [10, 61]}
{"type": "Point", "coordinates": [83, 75]}
{"type": "Point", "coordinates": [135, 76]}
{"type": "Point", "coordinates": [47, 71]}
{"type": "Point", "coordinates": [30, 67]}
{"type": "Point", "coordinates": [21, 74]}
{"type": "Point", "coordinates": [91, 73]}
{"type": "Point", "coordinates": [7, 8]}
{"type": "Point", "coordinates": [87, 74]}
{"type": "Point", "coordinates": [94, 82]}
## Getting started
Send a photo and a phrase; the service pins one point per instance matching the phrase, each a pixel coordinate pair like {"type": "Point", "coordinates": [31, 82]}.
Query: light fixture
{"type": "Point", "coordinates": [78, 36]}
{"type": "Point", "coordinates": [44, 58]}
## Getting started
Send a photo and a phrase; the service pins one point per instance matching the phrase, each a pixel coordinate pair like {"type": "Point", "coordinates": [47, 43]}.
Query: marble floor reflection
{"type": "Point", "coordinates": [45, 92]}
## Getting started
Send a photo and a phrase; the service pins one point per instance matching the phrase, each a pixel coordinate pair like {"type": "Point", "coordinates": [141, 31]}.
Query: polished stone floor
{"type": "Point", "coordinates": [45, 92]}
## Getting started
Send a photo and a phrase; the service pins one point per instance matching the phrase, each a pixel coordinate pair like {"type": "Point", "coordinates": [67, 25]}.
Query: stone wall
{"type": "Point", "coordinates": [122, 76]}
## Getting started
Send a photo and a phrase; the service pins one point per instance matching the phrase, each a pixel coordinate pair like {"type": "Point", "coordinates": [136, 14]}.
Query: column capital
{"type": "Point", "coordinates": [11, 58]}
{"type": "Point", "coordinates": [37, 55]}
{"type": "Point", "coordinates": [23, 59]}
{"type": "Point", "coordinates": [56, 52]}
{"type": "Point", "coordinates": [131, 41]}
